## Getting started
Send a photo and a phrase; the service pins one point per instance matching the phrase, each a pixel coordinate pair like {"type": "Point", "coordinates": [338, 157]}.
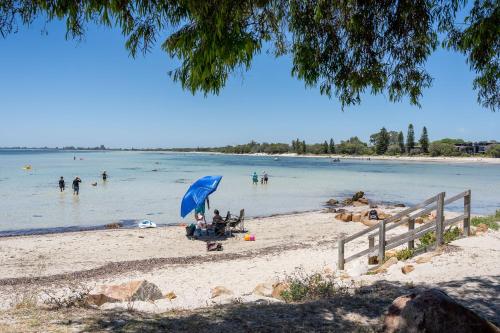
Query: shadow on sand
{"type": "Point", "coordinates": [359, 312]}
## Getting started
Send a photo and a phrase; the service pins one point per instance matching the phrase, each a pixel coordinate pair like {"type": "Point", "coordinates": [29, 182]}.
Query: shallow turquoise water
{"type": "Point", "coordinates": [31, 199]}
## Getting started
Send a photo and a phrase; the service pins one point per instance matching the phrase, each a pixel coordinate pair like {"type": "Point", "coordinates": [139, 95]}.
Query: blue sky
{"type": "Point", "coordinates": [55, 92]}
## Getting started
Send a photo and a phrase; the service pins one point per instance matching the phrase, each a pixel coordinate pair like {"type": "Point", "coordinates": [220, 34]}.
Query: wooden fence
{"type": "Point", "coordinates": [408, 216]}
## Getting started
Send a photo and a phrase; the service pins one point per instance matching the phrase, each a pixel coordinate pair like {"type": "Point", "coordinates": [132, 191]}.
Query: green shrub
{"type": "Point", "coordinates": [491, 221]}
{"type": "Point", "coordinates": [311, 287]}
{"type": "Point", "coordinates": [438, 148]}
{"type": "Point", "coordinates": [429, 238]}
{"type": "Point", "coordinates": [405, 254]}
{"type": "Point", "coordinates": [494, 151]}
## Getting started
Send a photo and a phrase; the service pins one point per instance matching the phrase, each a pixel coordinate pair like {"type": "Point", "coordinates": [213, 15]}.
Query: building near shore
{"type": "Point", "coordinates": [474, 147]}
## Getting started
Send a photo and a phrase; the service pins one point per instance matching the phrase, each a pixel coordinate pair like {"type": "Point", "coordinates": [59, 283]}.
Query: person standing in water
{"type": "Point", "coordinates": [62, 184]}
{"type": "Point", "coordinates": [76, 186]}
{"type": "Point", "coordinates": [104, 175]}
{"type": "Point", "coordinates": [266, 177]}
{"type": "Point", "coordinates": [255, 178]}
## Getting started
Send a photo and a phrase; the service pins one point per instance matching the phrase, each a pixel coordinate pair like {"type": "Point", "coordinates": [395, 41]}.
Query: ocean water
{"type": "Point", "coordinates": [30, 199]}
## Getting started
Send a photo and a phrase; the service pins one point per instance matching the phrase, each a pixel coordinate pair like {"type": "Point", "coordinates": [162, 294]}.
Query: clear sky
{"type": "Point", "coordinates": [55, 92]}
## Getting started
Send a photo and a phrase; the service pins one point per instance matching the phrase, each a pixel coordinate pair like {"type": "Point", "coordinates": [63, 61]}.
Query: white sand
{"type": "Point", "coordinates": [286, 243]}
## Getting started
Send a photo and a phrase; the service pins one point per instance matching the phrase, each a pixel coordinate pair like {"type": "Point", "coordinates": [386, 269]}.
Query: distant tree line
{"type": "Point", "coordinates": [384, 142]}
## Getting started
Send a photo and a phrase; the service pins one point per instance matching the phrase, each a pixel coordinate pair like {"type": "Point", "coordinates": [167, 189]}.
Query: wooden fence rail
{"type": "Point", "coordinates": [408, 216]}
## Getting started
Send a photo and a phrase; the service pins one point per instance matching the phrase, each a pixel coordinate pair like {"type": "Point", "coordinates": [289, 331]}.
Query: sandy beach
{"type": "Point", "coordinates": [419, 159]}
{"type": "Point", "coordinates": [284, 245]}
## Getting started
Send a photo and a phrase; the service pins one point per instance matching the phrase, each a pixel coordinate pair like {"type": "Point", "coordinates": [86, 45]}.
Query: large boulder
{"type": "Point", "coordinates": [358, 195]}
{"type": "Point", "coordinates": [363, 201]}
{"type": "Point", "coordinates": [368, 222]}
{"type": "Point", "coordinates": [356, 217]}
{"type": "Point", "coordinates": [433, 311]}
{"type": "Point", "coordinates": [344, 217]}
{"type": "Point", "coordinates": [138, 290]}
{"type": "Point", "coordinates": [358, 203]}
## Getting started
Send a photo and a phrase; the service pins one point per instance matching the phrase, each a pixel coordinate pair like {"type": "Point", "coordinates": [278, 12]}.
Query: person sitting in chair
{"type": "Point", "coordinates": [220, 223]}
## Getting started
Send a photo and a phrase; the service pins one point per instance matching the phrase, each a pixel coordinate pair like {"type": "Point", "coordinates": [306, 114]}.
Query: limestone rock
{"type": "Point", "coordinates": [278, 288]}
{"type": "Point", "coordinates": [356, 217]}
{"type": "Point", "coordinates": [358, 204]}
{"type": "Point", "coordinates": [347, 202]}
{"type": "Point", "coordinates": [482, 227]}
{"type": "Point", "coordinates": [220, 291]}
{"type": "Point", "coordinates": [113, 226]}
{"type": "Point", "coordinates": [407, 269]}
{"type": "Point", "coordinates": [419, 220]}
{"type": "Point", "coordinates": [138, 290]}
{"type": "Point", "coordinates": [264, 289]}
{"type": "Point", "coordinates": [368, 222]}
{"type": "Point", "coordinates": [391, 253]}
{"type": "Point", "coordinates": [383, 268]}
{"type": "Point", "coordinates": [433, 311]}
{"type": "Point", "coordinates": [358, 195]}
{"type": "Point", "coordinates": [344, 217]}
{"type": "Point", "coordinates": [332, 202]}
{"type": "Point", "coordinates": [363, 201]}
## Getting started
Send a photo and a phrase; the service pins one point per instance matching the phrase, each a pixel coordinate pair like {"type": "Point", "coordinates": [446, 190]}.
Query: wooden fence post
{"type": "Point", "coordinates": [411, 226]}
{"type": "Point", "coordinates": [440, 219]}
{"type": "Point", "coordinates": [467, 201]}
{"type": "Point", "coordinates": [381, 242]}
{"type": "Point", "coordinates": [371, 246]}
{"type": "Point", "coordinates": [340, 264]}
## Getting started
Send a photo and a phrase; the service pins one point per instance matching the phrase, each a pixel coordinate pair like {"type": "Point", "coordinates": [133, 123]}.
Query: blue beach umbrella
{"type": "Point", "coordinates": [198, 192]}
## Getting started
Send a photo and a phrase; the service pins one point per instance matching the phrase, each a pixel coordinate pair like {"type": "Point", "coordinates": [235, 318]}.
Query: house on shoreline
{"type": "Point", "coordinates": [474, 147]}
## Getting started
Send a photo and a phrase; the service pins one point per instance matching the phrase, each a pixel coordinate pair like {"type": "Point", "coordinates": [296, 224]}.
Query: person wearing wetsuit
{"type": "Point", "coordinates": [76, 185]}
{"type": "Point", "coordinates": [61, 184]}
{"type": "Point", "coordinates": [104, 176]}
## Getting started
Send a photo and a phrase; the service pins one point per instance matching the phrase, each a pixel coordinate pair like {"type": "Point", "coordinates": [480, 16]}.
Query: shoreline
{"type": "Point", "coordinates": [416, 159]}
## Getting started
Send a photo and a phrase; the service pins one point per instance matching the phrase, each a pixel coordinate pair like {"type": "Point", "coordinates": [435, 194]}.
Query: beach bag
{"type": "Point", "coordinates": [373, 215]}
{"type": "Point", "coordinates": [213, 246]}
{"type": "Point", "coordinates": [190, 230]}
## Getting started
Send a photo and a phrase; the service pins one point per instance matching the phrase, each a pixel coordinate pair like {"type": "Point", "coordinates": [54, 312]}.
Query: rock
{"type": "Point", "coordinates": [373, 206]}
{"type": "Point", "coordinates": [373, 260]}
{"type": "Point", "coordinates": [344, 217]}
{"type": "Point", "coordinates": [358, 195]}
{"type": "Point", "coordinates": [220, 291]}
{"type": "Point", "coordinates": [347, 202]}
{"type": "Point", "coordinates": [170, 295]}
{"type": "Point", "coordinates": [341, 210]}
{"type": "Point", "coordinates": [363, 201]}
{"type": "Point", "coordinates": [358, 204]}
{"type": "Point", "coordinates": [407, 269]}
{"type": "Point", "coordinates": [424, 259]}
{"type": "Point", "coordinates": [365, 213]}
{"type": "Point", "coordinates": [332, 202]}
{"type": "Point", "coordinates": [356, 217]}
{"type": "Point", "coordinates": [264, 289]}
{"type": "Point", "coordinates": [431, 311]}
{"type": "Point", "coordinates": [419, 220]}
{"type": "Point", "coordinates": [113, 226]}
{"type": "Point", "coordinates": [391, 253]}
{"type": "Point", "coordinates": [279, 288]}
{"type": "Point", "coordinates": [368, 222]}
{"type": "Point", "coordinates": [481, 227]}
{"type": "Point", "coordinates": [383, 268]}
{"type": "Point", "coordinates": [382, 215]}
{"type": "Point", "coordinates": [138, 290]}
{"type": "Point", "coordinates": [399, 205]}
